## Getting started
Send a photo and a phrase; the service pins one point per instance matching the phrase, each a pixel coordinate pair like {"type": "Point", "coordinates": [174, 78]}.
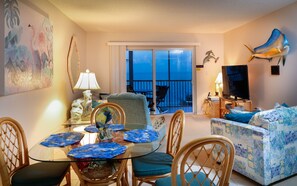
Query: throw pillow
{"type": "Point", "coordinates": [277, 105]}
{"type": "Point", "coordinates": [243, 117]}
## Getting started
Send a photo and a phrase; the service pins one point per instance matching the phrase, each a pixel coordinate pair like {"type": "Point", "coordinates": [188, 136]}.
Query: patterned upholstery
{"type": "Point", "coordinates": [266, 148]}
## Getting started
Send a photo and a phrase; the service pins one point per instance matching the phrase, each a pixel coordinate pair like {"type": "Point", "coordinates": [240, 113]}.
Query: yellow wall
{"type": "Point", "coordinates": [42, 111]}
{"type": "Point", "coordinates": [98, 56]}
{"type": "Point", "coordinates": [266, 89]}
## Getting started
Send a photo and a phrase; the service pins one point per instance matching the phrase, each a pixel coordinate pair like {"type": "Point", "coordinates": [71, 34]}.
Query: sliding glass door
{"type": "Point", "coordinates": [164, 76]}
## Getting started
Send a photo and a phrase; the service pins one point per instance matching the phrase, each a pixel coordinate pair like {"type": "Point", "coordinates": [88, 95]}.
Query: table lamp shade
{"type": "Point", "coordinates": [219, 79]}
{"type": "Point", "coordinates": [219, 84]}
{"type": "Point", "coordinates": [87, 81]}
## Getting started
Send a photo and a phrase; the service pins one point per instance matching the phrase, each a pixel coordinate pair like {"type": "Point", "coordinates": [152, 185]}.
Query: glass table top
{"type": "Point", "coordinates": [87, 142]}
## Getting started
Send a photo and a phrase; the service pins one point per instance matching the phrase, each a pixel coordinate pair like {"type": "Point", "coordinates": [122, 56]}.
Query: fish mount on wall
{"type": "Point", "coordinates": [209, 55]}
{"type": "Point", "coordinates": [276, 46]}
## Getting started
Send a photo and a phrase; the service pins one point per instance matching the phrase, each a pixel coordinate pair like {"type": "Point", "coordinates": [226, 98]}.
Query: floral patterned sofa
{"type": "Point", "coordinates": [266, 147]}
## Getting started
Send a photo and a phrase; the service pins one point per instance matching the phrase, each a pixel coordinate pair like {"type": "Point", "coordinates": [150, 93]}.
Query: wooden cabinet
{"type": "Point", "coordinates": [226, 104]}
{"type": "Point", "coordinates": [212, 108]}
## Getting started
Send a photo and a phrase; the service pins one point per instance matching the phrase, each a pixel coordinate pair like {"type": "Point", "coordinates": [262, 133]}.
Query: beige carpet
{"type": "Point", "coordinates": [199, 126]}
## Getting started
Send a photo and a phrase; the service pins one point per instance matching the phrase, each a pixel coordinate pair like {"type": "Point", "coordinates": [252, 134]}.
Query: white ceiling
{"type": "Point", "coordinates": [175, 16]}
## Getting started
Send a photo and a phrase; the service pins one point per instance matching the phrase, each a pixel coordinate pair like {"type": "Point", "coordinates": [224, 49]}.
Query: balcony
{"type": "Point", "coordinates": [179, 94]}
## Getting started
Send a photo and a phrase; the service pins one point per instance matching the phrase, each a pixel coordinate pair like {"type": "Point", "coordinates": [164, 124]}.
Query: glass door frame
{"type": "Point", "coordinates": [154, 49]}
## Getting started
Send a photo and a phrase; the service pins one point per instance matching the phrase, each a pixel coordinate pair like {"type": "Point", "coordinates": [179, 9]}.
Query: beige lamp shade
{"type": "Point", "coordinates": [219, 79]}
{"type": "Point", "coordinates": [219, 84]}
{"type": "Point", "coordinates": [87, 81]}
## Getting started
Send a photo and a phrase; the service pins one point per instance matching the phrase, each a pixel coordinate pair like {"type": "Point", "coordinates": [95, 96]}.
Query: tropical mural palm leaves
{"type": "Point", "coordinates": [11, 13]}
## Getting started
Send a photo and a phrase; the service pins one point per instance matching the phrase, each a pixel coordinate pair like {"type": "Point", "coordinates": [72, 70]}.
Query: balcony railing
{"type": "Point", "coordinates": [179, 93]}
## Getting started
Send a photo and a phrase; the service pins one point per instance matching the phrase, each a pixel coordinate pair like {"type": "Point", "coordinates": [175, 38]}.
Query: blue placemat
{"type": "Point", "coordinates": [102, 150]}
{"type": "Point", "coordinates": [114, 127]}
{"type": "Point", "coordinates": [62, 139]}
{"type": "Point", "coordinates": [141, 135]}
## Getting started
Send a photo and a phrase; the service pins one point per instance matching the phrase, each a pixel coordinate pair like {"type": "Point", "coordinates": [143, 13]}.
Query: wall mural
{"type": "Point", "coordinates": [276, 46]}
{"type": "Point", "coordinates": [28, 52]}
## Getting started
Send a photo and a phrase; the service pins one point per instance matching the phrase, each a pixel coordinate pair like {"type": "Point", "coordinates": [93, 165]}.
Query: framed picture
{"type": "Point", "coordinates": [28, 49]}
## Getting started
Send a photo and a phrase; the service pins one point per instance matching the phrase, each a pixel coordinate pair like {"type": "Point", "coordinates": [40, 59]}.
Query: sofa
{"type": "Point", "coordinates": [266, 146]}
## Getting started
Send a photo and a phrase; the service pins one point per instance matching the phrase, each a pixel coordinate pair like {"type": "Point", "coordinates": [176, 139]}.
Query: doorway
{"type": "Point", "coordinates": [163, 75]}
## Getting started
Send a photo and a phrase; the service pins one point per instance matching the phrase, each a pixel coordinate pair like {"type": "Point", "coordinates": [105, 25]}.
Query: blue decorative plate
{"type": "Point", "coordinates": [141, 135]}
{"type": "Point", "coordinates": [114, 127]}
{"type": "Point", "coordinates": [62, 139]}
{"type": "Point", "coordinates": [102, 150]}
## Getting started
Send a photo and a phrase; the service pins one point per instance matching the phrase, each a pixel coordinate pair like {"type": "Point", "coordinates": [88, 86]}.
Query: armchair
{"type": "Point", "coordinates": [135, 107]}
{"type": "Point", "coordinates": [136, 110]}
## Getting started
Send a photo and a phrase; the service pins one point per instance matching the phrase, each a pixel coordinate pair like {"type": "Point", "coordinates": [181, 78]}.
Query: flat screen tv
{"type": "Point", "coordinates": [235, 82]}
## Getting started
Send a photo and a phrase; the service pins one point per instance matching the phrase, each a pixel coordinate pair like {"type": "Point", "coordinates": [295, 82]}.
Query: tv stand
{"type": "Point", "coordinates": [228, 103]}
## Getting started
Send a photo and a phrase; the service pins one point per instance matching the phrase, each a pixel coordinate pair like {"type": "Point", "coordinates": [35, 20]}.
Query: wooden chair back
{"type": "Point", "coordinates": [102, 173]}
{"type": "Point", "coordinates": [14, 149]}
{"type": "Point", "coordinates": [212, 155]}
{"type": "Point", "coordinates": [175, 132]}
{"type": "Point", "coordinates": [117, 113]}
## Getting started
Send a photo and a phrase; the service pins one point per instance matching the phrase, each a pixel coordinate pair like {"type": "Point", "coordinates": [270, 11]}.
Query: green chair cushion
{"type": "Point", "coordinates": [189, 176]}
{"type": "Point", "coordinates": [156, 163]}
{"type": "Point", "coordinates": [44, 174]}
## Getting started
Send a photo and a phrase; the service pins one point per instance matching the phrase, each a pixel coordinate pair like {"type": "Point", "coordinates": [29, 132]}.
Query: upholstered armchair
{"type": "Point", "coordinates": [137, 111]}
{"type": "Point", "coordinates": [135, 107]}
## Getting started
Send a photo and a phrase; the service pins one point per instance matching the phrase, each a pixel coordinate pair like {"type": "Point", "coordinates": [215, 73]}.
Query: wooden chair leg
{"type": "Point", "coordinates": [126, 174]}
{"type": "Point", "coordinates": [68, 177]}
{"type": "Point", "coordinates": [134, 180]}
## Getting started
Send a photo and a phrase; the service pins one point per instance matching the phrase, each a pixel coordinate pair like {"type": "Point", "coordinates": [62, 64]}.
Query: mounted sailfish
{"type": "Point", "coordinates": [276, 46]}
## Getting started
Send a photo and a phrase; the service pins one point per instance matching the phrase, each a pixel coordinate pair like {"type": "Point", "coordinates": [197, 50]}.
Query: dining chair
{"type": "Point", "coordinates": [14, 160]}
{"type": "Point", "coordinates": [109, 171]}
{"type": "Point", "coordinates": [203, 161]}
{"type": "Point", "coordinates": [158, 164]}
{"type": "Point", "coordinates": [112, 112]}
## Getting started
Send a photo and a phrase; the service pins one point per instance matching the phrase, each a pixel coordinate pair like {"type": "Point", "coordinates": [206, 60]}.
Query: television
{"type": "Point", "coordinates": [235, 82]}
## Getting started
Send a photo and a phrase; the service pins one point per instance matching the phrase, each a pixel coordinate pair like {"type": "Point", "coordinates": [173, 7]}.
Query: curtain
{"type": "Point", "coordinates": [117, 68]}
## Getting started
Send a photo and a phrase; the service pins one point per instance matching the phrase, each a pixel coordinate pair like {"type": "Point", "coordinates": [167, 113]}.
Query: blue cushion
{"type": "Point", "coordinates": [156, 163]}
{"type": "Point", "coordinates": [243, 117]}
{"type": "Point", "coordinates": [189, 176]}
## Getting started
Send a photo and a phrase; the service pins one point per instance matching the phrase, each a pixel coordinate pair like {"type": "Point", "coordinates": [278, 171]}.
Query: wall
{"type": "Point", "coordinates": [98, 56]}
{"type": "Point", "coordinates": [266, 89]}
{"type": "Point", "coordinates": [42, 111]}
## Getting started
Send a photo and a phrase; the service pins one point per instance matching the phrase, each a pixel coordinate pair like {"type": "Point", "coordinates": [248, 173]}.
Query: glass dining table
{"type": "Point", "coordinates": [85, 146]}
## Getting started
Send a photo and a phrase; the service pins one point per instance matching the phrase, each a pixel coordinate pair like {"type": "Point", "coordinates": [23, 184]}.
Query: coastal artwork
{"type": "Point", "coordinates": [277, 46]}
{"type": "Point", "coordinates": [208, 56]}
{"type": "Point", "coordinates": [28, 49]}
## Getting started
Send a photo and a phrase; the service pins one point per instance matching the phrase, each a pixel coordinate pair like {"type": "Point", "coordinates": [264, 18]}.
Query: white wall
{"type": "Point", "coordinates": [42, 111]}
{"type": "Point", "coordinates": [266, 89]}
{"type": "Point", "coordinates": [98, 56]}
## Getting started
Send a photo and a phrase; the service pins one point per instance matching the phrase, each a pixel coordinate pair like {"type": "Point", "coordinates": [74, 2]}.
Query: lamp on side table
{"type": "Point", "coordinates": [87, 81]}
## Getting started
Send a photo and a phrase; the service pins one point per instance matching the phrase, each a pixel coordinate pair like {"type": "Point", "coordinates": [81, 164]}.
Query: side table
{"type": "Point", "coordinates": [212, 108]}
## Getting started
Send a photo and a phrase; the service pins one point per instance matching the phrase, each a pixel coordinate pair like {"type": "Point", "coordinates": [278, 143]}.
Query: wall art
{"type": "Point", "coordinates": [208, 56]}
{"type": "Point", "coordinates": [276, 46]}
{"type": "Point", "coordinates": [28, 49]}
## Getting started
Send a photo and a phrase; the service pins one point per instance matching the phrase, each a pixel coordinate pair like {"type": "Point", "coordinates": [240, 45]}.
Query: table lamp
{"type": "Point", "coordinates": [87, 81]}
{"type": "Point", "coordinates": [219, 84]}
